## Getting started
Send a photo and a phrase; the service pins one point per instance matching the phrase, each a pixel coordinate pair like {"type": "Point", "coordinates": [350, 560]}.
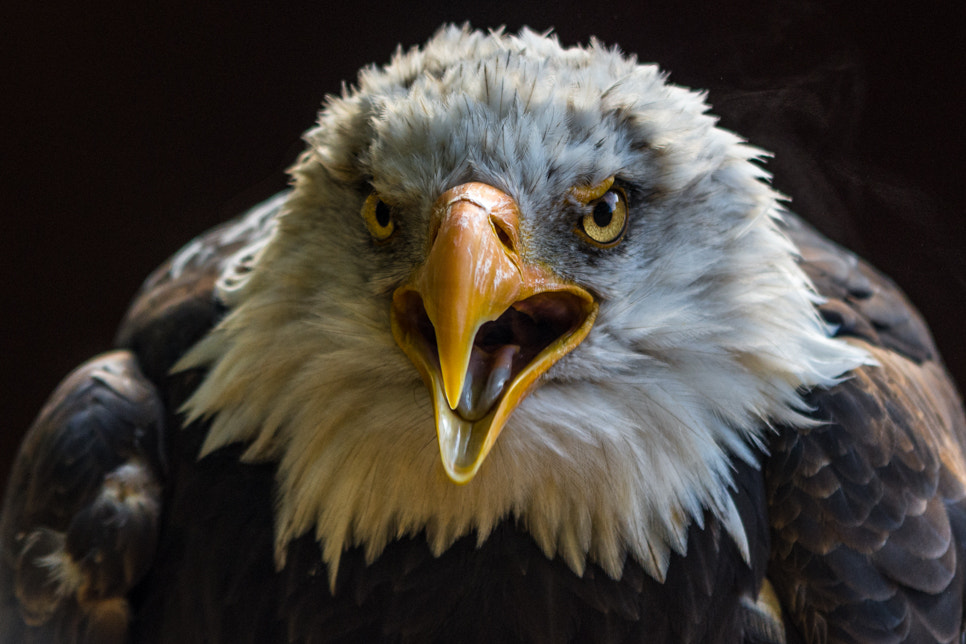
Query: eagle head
{"type": "Point", "coordinates": [514, 281]}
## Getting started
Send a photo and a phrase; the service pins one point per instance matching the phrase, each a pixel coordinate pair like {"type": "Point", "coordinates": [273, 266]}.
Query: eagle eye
{"type": "Point", "coordinates": [606, 220]}
{"type": "Point", "coordinates": [379, 218]}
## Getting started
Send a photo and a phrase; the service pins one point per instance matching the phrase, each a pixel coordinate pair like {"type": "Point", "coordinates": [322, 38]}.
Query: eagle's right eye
{"type": "Point", "coordinates": [605, 223]}
{"type": "Point", "coordinates": [379, 218]}
{"type": "Point", "coordinates": [605, 218]}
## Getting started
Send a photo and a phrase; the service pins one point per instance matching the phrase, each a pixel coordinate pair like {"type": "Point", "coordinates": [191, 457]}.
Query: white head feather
{"type": "Point", "coordinates": [706, 334]}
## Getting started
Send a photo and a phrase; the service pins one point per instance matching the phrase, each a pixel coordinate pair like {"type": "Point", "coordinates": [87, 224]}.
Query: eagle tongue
{"type": "Point", "coordinates": [486, 378]}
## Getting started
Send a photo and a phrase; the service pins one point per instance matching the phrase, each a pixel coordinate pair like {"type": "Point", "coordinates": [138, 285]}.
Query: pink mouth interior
{"type": "Point", "coordinates": [504, 347]}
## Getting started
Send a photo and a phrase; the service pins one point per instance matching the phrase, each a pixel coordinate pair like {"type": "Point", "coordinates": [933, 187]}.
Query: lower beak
{"type": "Point", "coordinates": [482, 325]}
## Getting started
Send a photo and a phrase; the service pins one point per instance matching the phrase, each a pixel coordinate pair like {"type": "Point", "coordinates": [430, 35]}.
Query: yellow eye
{"type": "Point", "coordinates": [378, 217]}
{"type": "Point", "coordinates": [606, 222]}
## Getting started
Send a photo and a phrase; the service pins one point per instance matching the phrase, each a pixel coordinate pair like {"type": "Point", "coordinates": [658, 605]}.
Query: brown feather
{"type": "Point", "coordinates": [868, 509]}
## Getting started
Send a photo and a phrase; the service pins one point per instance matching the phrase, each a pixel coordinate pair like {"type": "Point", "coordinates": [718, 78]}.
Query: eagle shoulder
{"type": "Point", "coordinates": [179, 302]}
{"type": "Point", "coordinates": [858, 300]}
{"type": "Point", "coordinates": [868, 507]}
{"type": "Point", "coordinates": [81, 513]}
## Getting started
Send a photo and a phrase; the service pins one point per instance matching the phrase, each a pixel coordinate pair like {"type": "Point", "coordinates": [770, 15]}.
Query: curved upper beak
{"type": "Point", "coordinates": [480, 323]}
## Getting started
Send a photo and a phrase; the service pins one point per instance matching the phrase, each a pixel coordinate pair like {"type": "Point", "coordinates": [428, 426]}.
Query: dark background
{"type": "Point", "coordinates": [126, 131]}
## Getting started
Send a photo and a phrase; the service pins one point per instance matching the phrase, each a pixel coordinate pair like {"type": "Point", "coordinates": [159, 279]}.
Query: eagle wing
{"type": "Point", "coordinates": [867, 507]}
{"type": "Point", "coordinates": [81, 512]}
{"type": "Point", "coordinates": [81, 517]}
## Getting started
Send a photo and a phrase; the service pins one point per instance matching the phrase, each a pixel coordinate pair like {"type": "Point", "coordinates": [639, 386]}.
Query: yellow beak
{"type": "Point", "coordinates": [480, 324]}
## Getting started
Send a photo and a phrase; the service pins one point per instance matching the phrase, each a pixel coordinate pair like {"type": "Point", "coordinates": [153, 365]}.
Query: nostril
{"type": "Point", "coordinates": [502, 231]}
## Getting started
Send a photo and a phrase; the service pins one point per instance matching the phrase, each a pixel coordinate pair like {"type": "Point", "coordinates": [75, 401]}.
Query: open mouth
{"type": "Point", "coordinates": [502, 348]}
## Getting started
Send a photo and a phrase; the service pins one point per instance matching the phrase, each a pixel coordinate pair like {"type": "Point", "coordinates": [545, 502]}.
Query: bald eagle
{"type": "Point", "coordinates": [530, 351]}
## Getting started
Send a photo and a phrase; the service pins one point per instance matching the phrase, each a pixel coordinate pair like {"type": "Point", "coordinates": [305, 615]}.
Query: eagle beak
{"type": "Point", "coordinates": [481, 324]}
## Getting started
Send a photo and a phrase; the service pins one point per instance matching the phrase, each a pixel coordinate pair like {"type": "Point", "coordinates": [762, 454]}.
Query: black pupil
{"type": "Point", "coordinates": [604, 210]}
{"type": "Point", "coordinates": [382, 214]}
